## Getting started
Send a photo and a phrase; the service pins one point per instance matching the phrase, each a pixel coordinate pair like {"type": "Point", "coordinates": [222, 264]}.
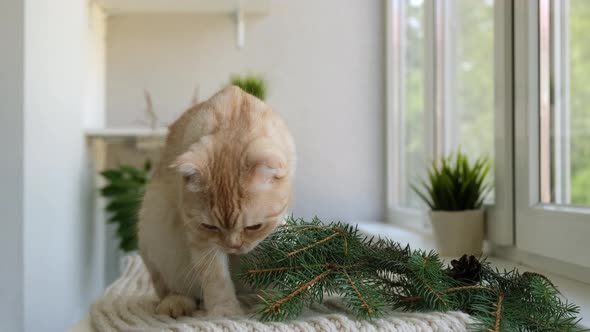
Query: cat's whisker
{"type": "Point", "coordinates": [210, 262]}
{"type": "Point", "coordinates": [189, 271]}
{"type": "Point", "coordinates": [211, 254]}
{"type": "Point", "coordinates": [190, 225]}
{"type": "Point", "coordinates": [204, 273]}
{"type": "Point", "coordinates": [205, 266]}
{"type": "Point", "coordinates": [196, 264]}
{"type": "Point", "coordinates": [198, 271]}
{"type": "Point", "coordinates": [192, 268]}
{"type": "Point", "coordinates": [213, 258]}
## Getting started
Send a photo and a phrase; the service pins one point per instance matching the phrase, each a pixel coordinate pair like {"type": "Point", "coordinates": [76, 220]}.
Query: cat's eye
{"type": "Point", "coordinates": [254, 227]}
{"type": "Point", "coordinates": [210, 227]}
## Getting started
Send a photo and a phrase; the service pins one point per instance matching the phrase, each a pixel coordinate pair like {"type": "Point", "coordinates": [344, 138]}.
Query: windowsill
{"type": "Point", "coordinates": [575, 291]}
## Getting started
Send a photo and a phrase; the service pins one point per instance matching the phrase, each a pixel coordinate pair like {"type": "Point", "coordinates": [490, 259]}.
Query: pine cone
{"type": "Point", "coordinates": [467, 270]}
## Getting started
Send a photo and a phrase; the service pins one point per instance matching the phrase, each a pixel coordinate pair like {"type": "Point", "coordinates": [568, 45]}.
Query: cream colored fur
{"type": "Point", "coordinates": [223, 184]}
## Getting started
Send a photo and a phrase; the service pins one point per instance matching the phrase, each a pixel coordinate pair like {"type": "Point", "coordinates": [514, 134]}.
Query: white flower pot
{"type": "Point", "coordinates": [458, 232]}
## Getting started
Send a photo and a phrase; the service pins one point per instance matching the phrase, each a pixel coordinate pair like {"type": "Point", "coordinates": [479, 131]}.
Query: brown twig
{"type": "Point", "coordinates": [276, 305]}
{"type": "Point", "coordinates": [153, 117]}
{"type": "Point", "coordinates": [462, 288]}
{"type": "Point", "coordinates": [358, 293]}
{"type": "Point", "coordinates": [275, 269]}
{"type": "Point", "coordinates": [432, 290]}
{"type": "Point", "coordinates": [345, 246]}
{"type": "Point", "coordinates": [337, 232]}
{"type": "Point", "coordinates": [498, 314]}
{"type": "Point", "coordinates": [330, 266]}
{"type": "Point", "coordinates": [308, 228]}
{"type": "Point", "coordinates": [411, 299]}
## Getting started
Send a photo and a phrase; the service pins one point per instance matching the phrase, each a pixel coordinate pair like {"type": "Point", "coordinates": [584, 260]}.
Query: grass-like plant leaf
{"type": "Point", "coordinates": [251, 84]}
{"type": "Point", "coordinates": [455, 184]}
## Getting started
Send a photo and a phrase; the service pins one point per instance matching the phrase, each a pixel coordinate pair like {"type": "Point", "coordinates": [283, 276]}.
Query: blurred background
{"type": "Point", "coordinates": [74, 80]}
{"type": "Point", "coordinates": [372, 90]}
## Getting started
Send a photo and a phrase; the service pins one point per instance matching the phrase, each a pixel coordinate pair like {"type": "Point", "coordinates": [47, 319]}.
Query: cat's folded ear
{"type": "Point", "coordinates": [187, 165]}
{"type": "Point", "coordinates": [266, 169]}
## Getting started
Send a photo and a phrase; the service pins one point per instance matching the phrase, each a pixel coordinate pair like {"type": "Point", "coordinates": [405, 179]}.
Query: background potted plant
{"type": "Point", "coordinates": [455, 191]}
{"type": "Point", "coordinates": [124, 189]}
{"type": "Point", "coordinates": [252, 84]}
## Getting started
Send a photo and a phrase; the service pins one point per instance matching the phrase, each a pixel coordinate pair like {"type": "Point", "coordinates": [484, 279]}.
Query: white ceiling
{"type": "Point", "coordinates": [184, 6]}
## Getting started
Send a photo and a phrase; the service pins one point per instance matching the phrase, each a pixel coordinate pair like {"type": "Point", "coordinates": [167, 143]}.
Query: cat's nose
{"type": "Point", "coordinates": [236, 246]}
{"type": "Point", "coordinates": [233, 241]}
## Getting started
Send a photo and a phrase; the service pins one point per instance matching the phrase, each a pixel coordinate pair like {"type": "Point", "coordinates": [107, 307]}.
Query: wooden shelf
{"type": "Point", "coordinates": [259, 7]}
{"type": "Point", "coordinates": [126, 132]}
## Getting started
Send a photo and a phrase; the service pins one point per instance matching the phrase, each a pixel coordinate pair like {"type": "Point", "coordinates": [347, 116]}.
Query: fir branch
{"type": "Point", "coordinates": [330, 266]}
{"type": "Point", "coordinates": [429, 287]}
{"type": "Point", "coordinates": [275, 306]}
{"type": "Point", "coordinates": [447, 291]}
{"type": "Point", "coordinates": [275, 269]}
{"type": "Point", "coordinates": [302, 260]}
{"type": "Point", "coordinates": [307, 228]}
{"type": "Point", "coordinates": [358, 293]}
{"type": "Point", "coordinates": [337, 231]}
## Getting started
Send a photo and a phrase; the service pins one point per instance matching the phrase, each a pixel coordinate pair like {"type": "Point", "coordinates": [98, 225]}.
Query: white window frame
{"type": "Point", "coordinates": [560, 115]}
{"type": "Point", "coordinates": [437, 140]}
{"type": "Point", "coordinates": [437, 94]}
{"type": "Point", "coordinates": [556, 232]}
{"type": "Point", "coordinates": [395, 16]}
{"type": "Point", "coordinates": [500, 215]}
{"type": "Point", "coordinates": [520, 227]}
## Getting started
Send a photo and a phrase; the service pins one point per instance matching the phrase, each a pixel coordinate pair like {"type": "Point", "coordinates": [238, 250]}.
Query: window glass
{"type": "Point", "coordinates": [414, 119]}
{"type": "Point", "coordinates": [579, 82]}
{"type": "Point", "coordinates": [472, 77]}
{"type": "Point", "coordinates": [565, 122]}
{"type": "Point", "coordinates": [446, 68]}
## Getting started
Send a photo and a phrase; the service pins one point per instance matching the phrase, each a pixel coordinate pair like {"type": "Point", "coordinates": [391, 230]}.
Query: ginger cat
{"type": "Point", "coordinates": [222, 186]}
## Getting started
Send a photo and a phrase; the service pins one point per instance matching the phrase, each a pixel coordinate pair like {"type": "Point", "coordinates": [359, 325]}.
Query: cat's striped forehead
{"type": "Point", "coordinates": [240, 162]}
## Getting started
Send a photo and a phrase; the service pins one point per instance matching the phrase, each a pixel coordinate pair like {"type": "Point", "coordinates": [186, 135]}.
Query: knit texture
{"type": "Point", "coordinates": [129, 305]}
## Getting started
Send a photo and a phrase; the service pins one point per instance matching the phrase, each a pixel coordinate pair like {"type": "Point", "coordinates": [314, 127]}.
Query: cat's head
{"type": "Point", "coordinates": [233, 195]}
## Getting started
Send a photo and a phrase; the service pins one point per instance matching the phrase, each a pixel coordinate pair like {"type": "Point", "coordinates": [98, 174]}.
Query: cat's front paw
{"type": "Point", "coordinates": [225, 310]}
{"type": "Point", "coordinates": [176, 306]}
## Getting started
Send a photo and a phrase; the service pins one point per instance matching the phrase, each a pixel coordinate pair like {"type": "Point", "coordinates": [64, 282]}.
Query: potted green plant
{"type": "Point", "coordinates": [124, 189]}
{"type": "Point", "coordinates": [455, 192]}
{"type": "Point", "coordinates": [252, 84]}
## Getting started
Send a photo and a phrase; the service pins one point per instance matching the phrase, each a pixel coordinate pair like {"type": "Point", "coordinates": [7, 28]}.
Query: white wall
{"type": "Point", "coordinates": [324, 63]}
{"type": "Point", "coordinates": [11, 161]}
{"type": "Point", "coordinates": [95, 96]}
{"type": "Point", "coordinates": [60, 276]}
{"type": "Point", "coordinates": [48, 272]}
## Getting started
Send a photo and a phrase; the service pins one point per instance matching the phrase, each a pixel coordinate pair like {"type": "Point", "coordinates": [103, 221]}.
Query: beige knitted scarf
{"type": "Point", "coordinates": [128, 305]}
